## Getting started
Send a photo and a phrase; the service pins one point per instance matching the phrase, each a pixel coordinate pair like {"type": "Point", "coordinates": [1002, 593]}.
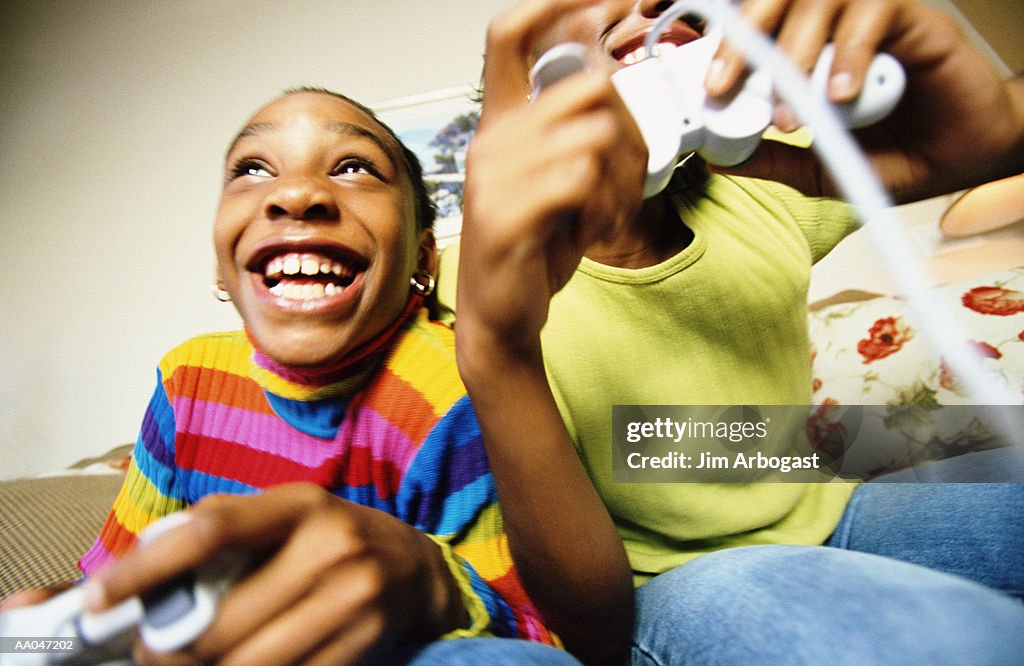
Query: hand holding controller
{"type": "Point", "coordinates": [169, 618]}
{"type": "Point", "coordinates": [666, 96]}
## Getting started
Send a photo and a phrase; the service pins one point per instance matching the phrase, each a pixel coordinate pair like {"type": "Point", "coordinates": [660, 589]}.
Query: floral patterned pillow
{"type": "Point", "coordinates": [873, 352]}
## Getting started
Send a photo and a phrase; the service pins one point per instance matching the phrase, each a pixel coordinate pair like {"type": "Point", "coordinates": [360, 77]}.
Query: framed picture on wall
{"type": "Point", "coordinates": [438, 126]}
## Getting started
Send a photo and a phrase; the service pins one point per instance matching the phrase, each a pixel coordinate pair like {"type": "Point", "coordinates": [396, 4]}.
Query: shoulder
{"type": "Point", "coordinates": [228, 351]}
{"type": "Point", "coordinates": [823, 221]}
{"type": "Point", "coordinates": [801, 205]}
{"type": "Point", "coordinates": [424, 360]}
{"type": "Point", "coordinates": [819, 222]}
{"type": "Point", "coordinates": [419, 382]}
{"type": "Point", "coordinates": [696, 184]}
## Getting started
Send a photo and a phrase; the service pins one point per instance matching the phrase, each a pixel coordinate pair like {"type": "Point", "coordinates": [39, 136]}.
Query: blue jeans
{"type": "Point", "coordinates": [925, 573]}
{"type": "Point", "coordinates": [488, 651]}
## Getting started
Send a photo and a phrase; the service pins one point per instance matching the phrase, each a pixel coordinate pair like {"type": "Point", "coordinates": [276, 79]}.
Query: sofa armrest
{"type": "Point", "coordinates": [47, 523]}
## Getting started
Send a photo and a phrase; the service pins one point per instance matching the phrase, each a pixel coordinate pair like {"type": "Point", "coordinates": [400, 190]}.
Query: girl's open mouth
{"type": "Point", "coordinates": [306, 276]}
{"type": "Point", "coordinates": [632, 51]}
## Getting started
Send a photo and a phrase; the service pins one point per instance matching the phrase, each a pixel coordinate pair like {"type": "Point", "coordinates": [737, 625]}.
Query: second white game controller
{"type": "Point", "coordinates": [666, 96]}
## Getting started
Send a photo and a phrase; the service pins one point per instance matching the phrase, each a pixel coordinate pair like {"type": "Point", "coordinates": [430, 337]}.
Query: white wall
{"type": "Point", "coordinates": [115, 116]}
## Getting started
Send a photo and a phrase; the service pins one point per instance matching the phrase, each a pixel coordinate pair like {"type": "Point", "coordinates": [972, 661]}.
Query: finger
{"type": "Point", "coordinates": [292, 573]}
{"type": "Point", "coordinates": [858, 37]}
{"type": "Point", "coordinates": [587, 91]}
{"type": "Point", "coordinates": [142, 655]}
{"type": "Point", "coordinates": [322, 615]}
{"type": "Point", "coordinates": [728, 66]}
{"type": "Point", "coordinates": [612, 197]}
{"type": "Point", "coordinates": [806, 29]}
{"type": "Point", "coordinates": [218, 523]}
{"type": "Point", "coordinates": [558, 202]}
{"type": "Point", "coordinates": [571, 141]}
{"type": "Point", "coordinates": [573, 162]}
{"type": "Point", "coordinates": [808, 26]}
{"type": "Point", "coordinates": [29, 597]}
{"type": "Point", "coordinates": [765, 15]}
{"type": "Point", "coordinates": [510, 40]}
{"type": "Point", "coordinates": [357, 646]}
{"type": "Point", "coordinates": [591, 98]}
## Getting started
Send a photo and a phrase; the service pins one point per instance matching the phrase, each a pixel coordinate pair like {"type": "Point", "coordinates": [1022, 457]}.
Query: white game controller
{"type": "Point", "coordinates": [665, 94]}
{"type": "Point", "coordinates": [169, 618]}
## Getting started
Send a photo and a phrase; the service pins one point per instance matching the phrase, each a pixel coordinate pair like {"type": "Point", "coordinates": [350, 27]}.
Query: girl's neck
{"type": "Point", "coordinates": [654, 235]}
{"type": "Point", "coordinates": [341, 377]}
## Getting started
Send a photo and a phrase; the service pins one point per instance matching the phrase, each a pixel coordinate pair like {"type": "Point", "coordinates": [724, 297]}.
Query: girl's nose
{"type": "Point", "coordinates": [654, 8]}
{"type": "Point", "coordinates": [301, 199]}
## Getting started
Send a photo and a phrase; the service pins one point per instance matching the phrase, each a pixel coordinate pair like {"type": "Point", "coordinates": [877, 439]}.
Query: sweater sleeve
{"type": "Point", "coordinates": [448, 492]}
{"type": "Point", "coordinates": [148, 492]}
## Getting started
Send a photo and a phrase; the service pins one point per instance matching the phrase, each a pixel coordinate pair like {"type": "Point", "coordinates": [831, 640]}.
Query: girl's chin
{"type": "Point", "coordinates": [306, 348]}
{"type": "Point", "coordinates": [303, 360]}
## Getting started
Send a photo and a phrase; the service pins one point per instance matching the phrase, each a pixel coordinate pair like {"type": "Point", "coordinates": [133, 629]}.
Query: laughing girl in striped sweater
{"type": "Point", "coordinates": [379, 529]}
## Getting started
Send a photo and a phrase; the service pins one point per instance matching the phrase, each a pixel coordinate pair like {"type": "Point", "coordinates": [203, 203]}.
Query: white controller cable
{"type": "Point", "coordinates": [856, 180]}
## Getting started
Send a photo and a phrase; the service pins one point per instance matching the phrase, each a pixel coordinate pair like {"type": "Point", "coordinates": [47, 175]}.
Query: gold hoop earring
{"type": "Point", "coordinates": [426, 288]}
{"type": "Point", "coordinates": [219, 292]}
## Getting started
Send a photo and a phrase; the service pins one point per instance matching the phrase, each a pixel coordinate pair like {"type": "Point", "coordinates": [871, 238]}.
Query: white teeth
{"type": "Point", "coordinates": [305, 291]}
{"type": "Point", "coordinates": [310, 266]}
{"type": "Point", "coordinates": [639, 54]}
{"type": "Point", "coordinates": [281, 268]}
{"type": "Point", "coordinates": [308, 291]}
{"type": "Point", "coordinates": [306, 264]}
{"type": "Point", "coordinates": [633, 57]}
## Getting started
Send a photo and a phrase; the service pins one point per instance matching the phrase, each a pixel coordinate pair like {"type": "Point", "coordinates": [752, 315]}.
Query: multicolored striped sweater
{"type": "Point", "coordinates": [393, 430]}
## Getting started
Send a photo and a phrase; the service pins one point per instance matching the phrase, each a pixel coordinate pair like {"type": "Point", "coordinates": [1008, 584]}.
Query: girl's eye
{"type": "Point", "coordinates": [248, 167]}
{"type": "Point", "coordinates": [356, 166]}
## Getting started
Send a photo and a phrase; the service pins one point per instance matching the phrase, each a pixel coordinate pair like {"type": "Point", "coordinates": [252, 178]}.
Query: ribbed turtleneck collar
{"type": "Point", "coordinates": [341, 378]}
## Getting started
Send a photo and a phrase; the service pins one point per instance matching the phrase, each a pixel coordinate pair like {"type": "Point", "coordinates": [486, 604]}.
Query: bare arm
{"type": "Point", "coordinates": [543, 181]}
